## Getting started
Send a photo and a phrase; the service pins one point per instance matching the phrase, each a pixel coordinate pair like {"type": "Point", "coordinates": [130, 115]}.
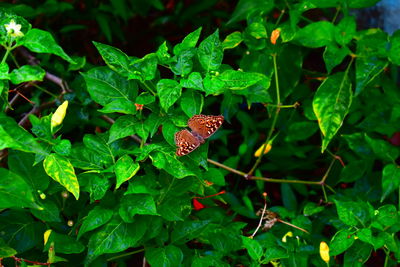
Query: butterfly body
{"type": "Point", "coordinates": [202, 126]}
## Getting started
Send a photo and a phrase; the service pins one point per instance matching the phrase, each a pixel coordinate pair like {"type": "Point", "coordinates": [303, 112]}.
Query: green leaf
{"type": "Point", "coordinates": [41, 127]}
{"type": "Point", "coordinates": [239, 80]}
{"type": "Point", "coordinates": [357, 255]}
{"type": "Point", "coordinates": [106, 86]}
{"type": "Point", "coordinates": [125, 169]}
{"type": "Point", "coordinates": [175, 208]}
{"type": "Point", "coordinates": [145, 98]}
{"type": "Point", "coordinates": [232, 40]}
{"type": "Point", "coordinates": [257, 30]}
{"type": "Point", "coordinates": [162, 53]}
{"type": "Point", "coordinates": [27, 73]}
{"type": "Point", "coordinates": [98, 144]}
{"type": "Point", "coordinates": [192, 102]}
{"type": "Point", "coordinates": [316, 34]}
{"type": "Point", "coordinates": [40, 41]}
{"type": "Point", "coordinates": [133, 204]}
{"type": "Point", "coordinates": [311, 208]}
{"type": "Point", "coordinates": [144, 68]}
{"type": "Point", "coordinates": [383, 149]}
{"type": "Point", "coordinates": [188, 42]}
{"type": "Point", "coordinates": [124, 126]}
{"type": "Point", "coordinates": [353, 171]}
{"type": "Point", "coordinates": [372, 44]}
{"type": "Point", "coordinates": [300, 131]}
{"type": "Point", "coordinates": [387, 215]}
{"type": "Point", "coordinates": [84, 159]}
{"type": "Point", "coordinates": [4, 69]}
{"type": "Point", "coordinates": [115, 236]}
{"type": "Point", "coordinates": [167, 256]}
{"type": "Point", "coordinates": [253, 247]}
{"type": "Point", "coordinates": [97, 185]}
{"type": "Point", "coordinates": [169, 92]}
{"type": "Point", "coordinates": [345, 30]}
{"type": "Point", "coordinates": [14, 191]}
{"type": "Point", "coordinates": [333, 55]}
{"type": "Point", "coordinates": [213, 85]}
{"type": "Point", "coordinates": [255, 7]}
{"type": "Point", "coordinates": [361, 3]}
{"type": "Point", "coordinates": [366, 71]}
{"type": "Point", "coordinates": [117, 60]}
{"type": "Point", "coordinates": [17, 225]}
{"type": "Point", "coordinates": [62, 171]}
{"type": "Point", "coordinates": [331, 104]}
{"type": "Point", "coordinates": [186, 231]}
{"type": "Point", "coordinates": [194, 81]}
{"type": "Point", "coordinates": [169, 130]}
{"type": "Point", "coordinates": [394, 51]}
{"type": "Point", "coordinates": [275, 253]}
{"type": "Point", "coordinates": [390, 180]}
{"type": "Point", "coordinates": [97, 217]}
{"type": "Point", "coordinates": [21, 163]}
{"type": "Point", "coordinates": [170, 164]}
{"type": "Point", "coordinates": [153, 122]}
{"type": "Point", "coordinates": [62, 147]}
{"type": "Point", "coordinates": [5, 250]}
{"type": "Point", "coordinates": [183, 64]}
{"type": "Point", "coordinates": [289, 201]}
{"type": "Point", "coordinates": [215, 176]}
{"type": "Point", "coordinates": [49, 213]}
{"type": "Point", "coordinates": [353, 213]}
{"type": "Point", "coordinates": [64, 244]}
{"type": "Point", "coordinates": [210, 52]}
{"type": "Point", "coordinates": [340, 242]}
{"type": "Point", "coordinates": [365, 235]}
{"type": "Point", "coordinates": [358, 144]}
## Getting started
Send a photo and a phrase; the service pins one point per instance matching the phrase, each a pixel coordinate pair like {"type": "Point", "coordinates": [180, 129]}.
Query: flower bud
{"type": "Point", "coordinates": [263, 148]}
{"type": "Point", "coordinates": [59, 115]}
{"type": "Point", "coordinates": [324, 251]}
{"type": "Point", "coordinates": [275, 35]}
{"type": "Point", "coordinates": [288, 234]}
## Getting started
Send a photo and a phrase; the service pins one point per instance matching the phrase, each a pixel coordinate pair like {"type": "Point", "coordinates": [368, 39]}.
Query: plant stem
{"type": "Point", "coordinates": [125, 254]}
{"type": "Point", "coordinates": [261, 218]}
{"type": "Point", "coordinates": [387, 257]}
{"type": "Point", "coordinates": [226, 167]}
{"type": "Point", "coordinates": [148, 88]}
{"type": "Point", "coordinates": [5, 55]}
{"type": "Point", "coordinates": [278, 108]}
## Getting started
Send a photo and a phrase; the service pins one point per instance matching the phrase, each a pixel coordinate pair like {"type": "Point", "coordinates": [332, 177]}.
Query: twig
{"type": "Point", "coordinates": [49, 76]}
{"type": "Point", "coordinates": [35, 110]}
{"type": "Point", "coordinates": [262, 215]}
{"type": "Point", "coordinates": [275, 118]}
{"type": "Point", "coordinates": [274, 180]}
{"type": "Point", "coordinates": [28, 261]}
{"type": "Point", "coordinates": [292, 225]}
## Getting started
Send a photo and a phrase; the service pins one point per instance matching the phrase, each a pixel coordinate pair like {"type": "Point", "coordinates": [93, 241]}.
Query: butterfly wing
{"type": "Point", "coordinates": [205, 125]}
{"type": "Point", "coordinates": [185, 142]}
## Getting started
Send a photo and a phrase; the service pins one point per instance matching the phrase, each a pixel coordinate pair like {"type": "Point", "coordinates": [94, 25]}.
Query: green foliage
{"type": "Point", "coordinates": [105, 185]}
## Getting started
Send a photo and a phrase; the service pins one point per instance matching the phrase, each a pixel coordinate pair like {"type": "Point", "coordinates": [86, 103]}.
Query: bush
{"type": "Point", "coordinates": [90, 166]}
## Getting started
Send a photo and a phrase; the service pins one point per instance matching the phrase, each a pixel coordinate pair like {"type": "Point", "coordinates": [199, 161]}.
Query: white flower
{"type": "Point", "coordinates": [13, 29]}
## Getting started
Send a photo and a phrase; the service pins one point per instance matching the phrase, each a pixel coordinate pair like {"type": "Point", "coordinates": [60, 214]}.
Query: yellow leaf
{"type": "Point", "coordinates": [46, 236]}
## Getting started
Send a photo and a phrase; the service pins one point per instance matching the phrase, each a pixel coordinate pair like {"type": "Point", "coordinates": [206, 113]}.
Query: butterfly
{"type": "Point", "coordinates": [202, 126]}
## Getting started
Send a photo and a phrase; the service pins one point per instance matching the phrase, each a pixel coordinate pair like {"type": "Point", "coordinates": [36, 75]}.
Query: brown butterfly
{"type": "Point", "coordinates": [202, 126]}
